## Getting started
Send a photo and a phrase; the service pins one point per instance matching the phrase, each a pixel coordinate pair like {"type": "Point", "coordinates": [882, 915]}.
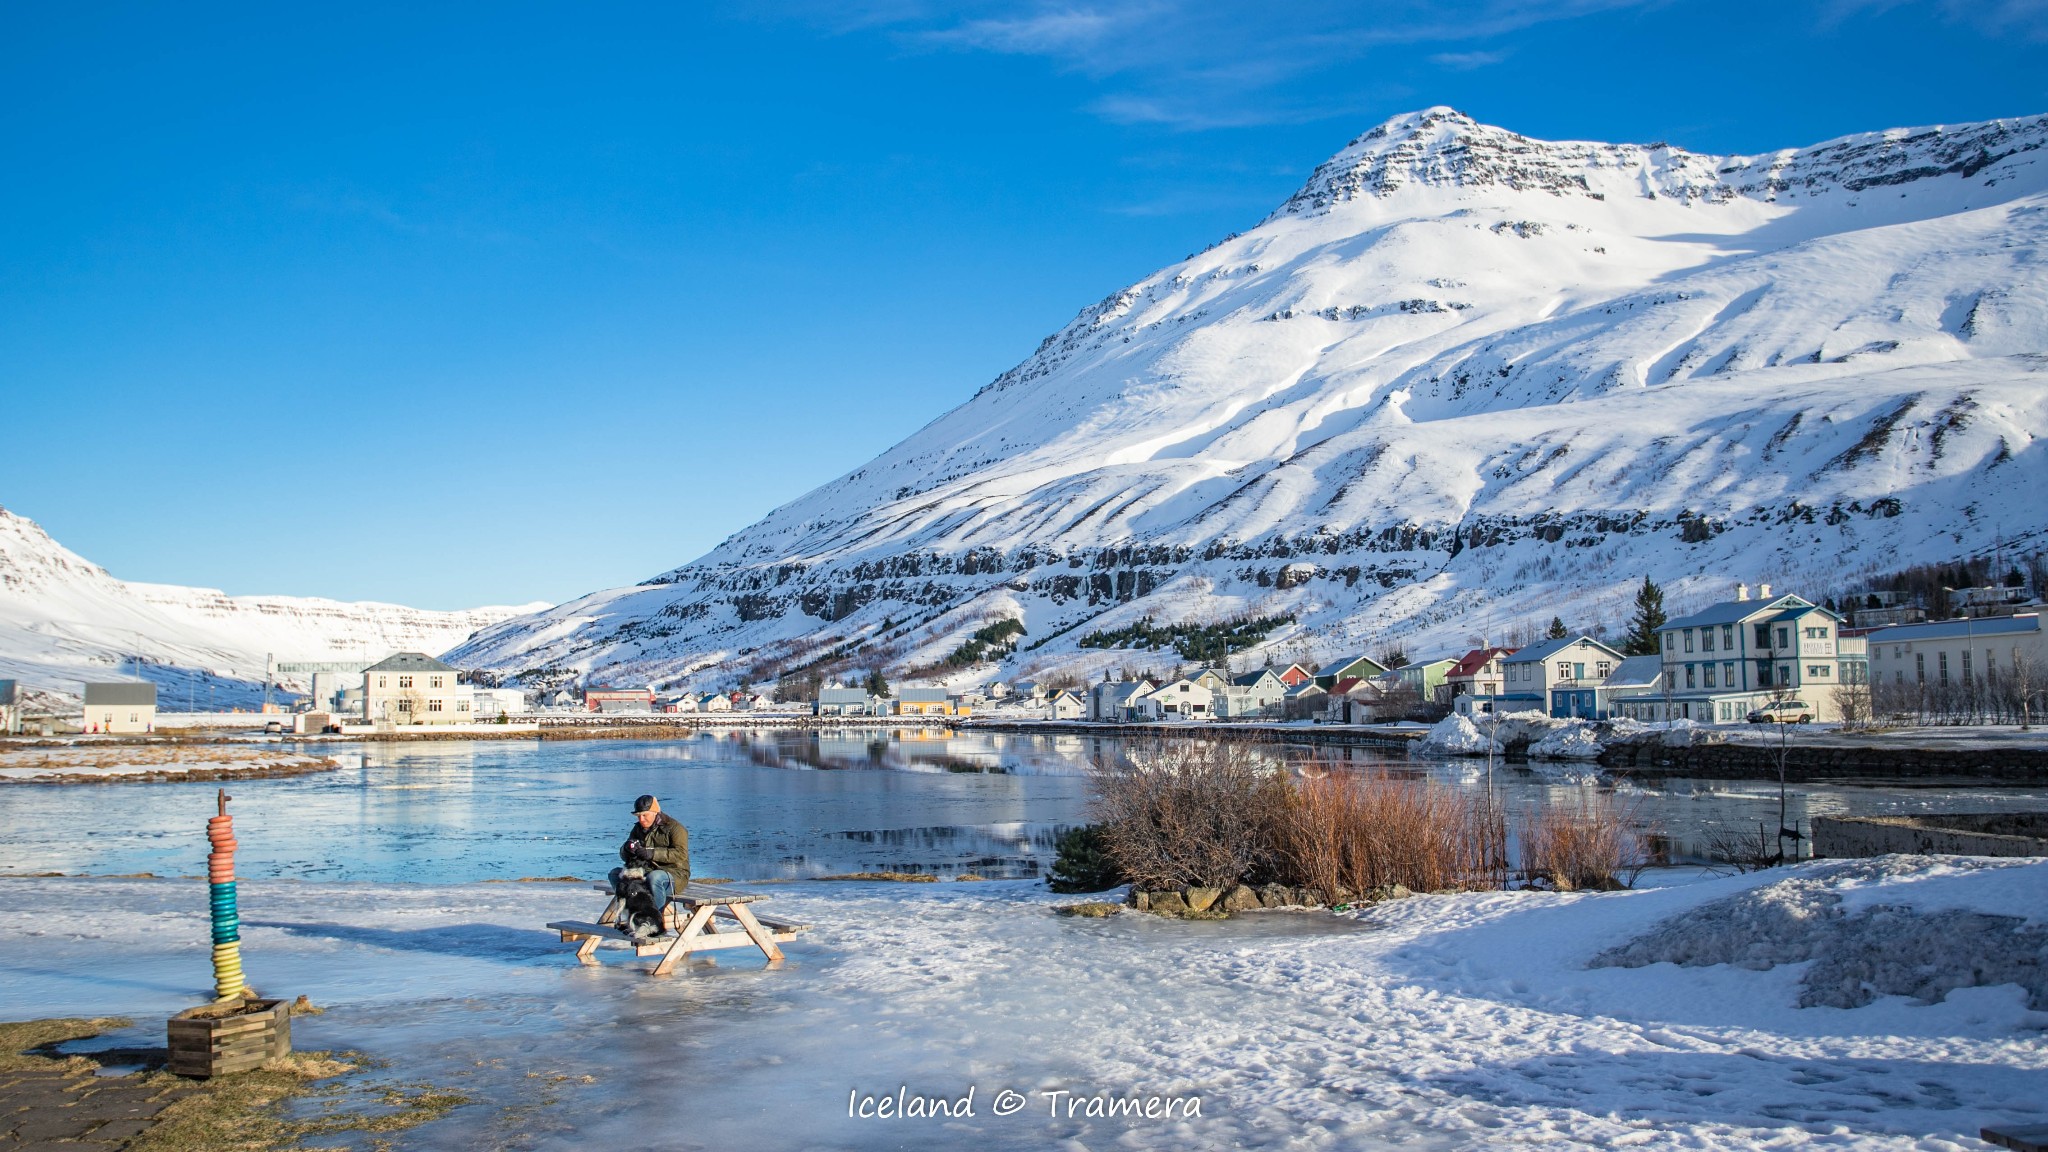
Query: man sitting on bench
{"type": "Point", "coordinates": [657, 866]}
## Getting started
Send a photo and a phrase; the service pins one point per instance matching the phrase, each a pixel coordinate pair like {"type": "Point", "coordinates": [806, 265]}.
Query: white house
{"type": "Point", "coordinates": [1725, 661]}
{"type": "Point", "coordinates": [10, 708]}
{"type": "Point", "coordinates": [415, 688]}
{"type": "Point", "coordinates": [120, 706]}
{"type": "Point", "coordinates": [1251, 694]}
{"type": "Point", "coordinates": [490, 703]}
{"type": "Point", "coordinates": [1117, 700]}
{"type": "Point", "coordinates": [1064, 705]}
{"type": "Point", "coordinates": [845, 702]}
{"type": "Point", "coordinates": [714, 702]}
{"type": "Point", "coordinates": [1182, 699]}
{"type": "Point", "coordinates": [1559, 677]}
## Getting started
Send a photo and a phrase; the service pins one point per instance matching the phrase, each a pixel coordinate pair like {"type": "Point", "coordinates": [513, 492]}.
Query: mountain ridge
{"type": "Point", "coordinates": [65, 620]}
{"type": "Point", "coordinates": [1455, 355]}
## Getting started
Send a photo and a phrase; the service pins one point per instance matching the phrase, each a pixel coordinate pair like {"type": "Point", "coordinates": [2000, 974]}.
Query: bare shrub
{"type": "Point", "coordinates": [1189, 814]}
{"type": "Point", "coordinates": [1355, 833]}
{"type": "Point", "coordinates": [1593, 842]}
{"type": "Point", "coordinates": [1741, 852]}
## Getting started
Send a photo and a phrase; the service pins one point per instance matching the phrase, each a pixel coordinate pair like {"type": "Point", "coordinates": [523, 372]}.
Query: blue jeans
{"type": "Point", "coordinates": [662, 884]}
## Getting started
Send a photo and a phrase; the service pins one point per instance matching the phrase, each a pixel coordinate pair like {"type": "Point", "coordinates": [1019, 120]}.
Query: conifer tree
{"type": "Point", "coordinates": [1648, 621]}
{"type": "Point", "coordinates": [1557, 628]}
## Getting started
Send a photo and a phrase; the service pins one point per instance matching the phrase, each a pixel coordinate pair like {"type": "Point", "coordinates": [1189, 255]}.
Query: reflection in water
{"type": "Point", "coordinates": [769, 804]}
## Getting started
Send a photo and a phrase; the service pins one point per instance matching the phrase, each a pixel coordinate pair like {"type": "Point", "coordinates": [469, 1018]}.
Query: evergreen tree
{"type": "Point", "coordinates": [1557, 628]}
{"type": "Point", "coordinates": [876, 685]}
{"type": "Point", "coordinates": [1648, 621]}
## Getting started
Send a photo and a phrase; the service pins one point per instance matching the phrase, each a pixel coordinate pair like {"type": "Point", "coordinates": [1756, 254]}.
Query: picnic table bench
{"type": "Point", "coordinates": [688, 921]}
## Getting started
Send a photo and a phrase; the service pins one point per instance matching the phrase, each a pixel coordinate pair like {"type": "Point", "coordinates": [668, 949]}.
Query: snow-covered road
{"type": "Point", "coordinates": [1454, 1021]}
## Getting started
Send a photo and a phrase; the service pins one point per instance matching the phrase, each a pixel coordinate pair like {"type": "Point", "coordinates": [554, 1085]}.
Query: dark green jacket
{"type": "Point", "coordinates": [670, 843]}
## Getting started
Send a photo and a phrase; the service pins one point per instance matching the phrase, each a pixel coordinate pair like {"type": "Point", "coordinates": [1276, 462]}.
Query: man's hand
{"type": "Point", "coordinates": [638, 851]}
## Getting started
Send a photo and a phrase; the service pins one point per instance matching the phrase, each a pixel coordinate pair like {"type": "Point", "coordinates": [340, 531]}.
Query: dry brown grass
{"type": "Point", "coordinates": [1590, 842]}
{"type": "Point", "coordinates": [1351, 833]}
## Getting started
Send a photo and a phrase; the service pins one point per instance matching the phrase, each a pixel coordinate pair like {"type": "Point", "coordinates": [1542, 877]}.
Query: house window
{"type": "Point", "coordinates": [1728, 636]}
{"type": "Point", "coordinates": [1785, 674]}
{"type": "Point", "coordinates": [1601, 669]}
{"type": "Point", "coordinates": [135, 718]}
{"type": "Point", "coordinates": [1899, 677]}
{"type": "Point", "coordinates": [1817, 671]}
{"type": "Point", "coordinates": [380, 682]}
{"type": "Point", "coordinates": [1784, 637]}
{"type": "Point", "coordinates": [1763, 635]}
{"type": "Point", "coordinates": [1670, 642]}
{"type": "Point", "coordinates": [1688, 676]}
{"type": "Point", "coordinates": [1966, 665]}
{"type": "Point", "coordinates": [433, 681]}
{"type": "Point", "coordinates": [1763, 674]}
{"type": "Point", "coordinates": [1709, 676]}
{"type": "Point", "coordinates": [405, 681]}
{"type": "Point", "coordinates": [1919, 667]}
{"type": "Point", "coordinates": [405, 705]}
{"type": "Point", "coordinates": [433, 705]}
{"type": "Point", "coordinates": [1564, 670]}
{"type": "Point", "coordinates": [1706, 639]}
{"type": "Point", "coordinates": [1943, 657]}
{"type": "Point", "coordinates": [1728, 673]}
{"type": "Point", "coordinates": [1688, 639]}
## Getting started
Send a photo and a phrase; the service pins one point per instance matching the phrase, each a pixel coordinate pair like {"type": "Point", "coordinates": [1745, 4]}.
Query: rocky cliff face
{"type": "Point", "coordinates": [1461, 379]}
{"type": "Point", "coordinates": [64, 620]}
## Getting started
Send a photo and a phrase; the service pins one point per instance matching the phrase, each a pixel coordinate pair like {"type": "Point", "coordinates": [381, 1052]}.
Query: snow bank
{"type": "Point", "coordinates": [1570, 740]}
{"type": "Point", "coordinates": [1454, 735]}
{"type": "Point", "coordinates": [1882, 943]}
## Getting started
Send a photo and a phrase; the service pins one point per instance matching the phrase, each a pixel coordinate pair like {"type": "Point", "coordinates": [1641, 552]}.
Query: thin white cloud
{"type": "Point", "coordinates": [1466, 61]}
{"type": "Point", "coordinates": [1052, 33]}
{"type": "Point", "coordinates": [1204, 64]}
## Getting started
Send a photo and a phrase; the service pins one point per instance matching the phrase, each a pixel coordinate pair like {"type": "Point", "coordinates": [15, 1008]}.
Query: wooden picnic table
{"type": "Point", "coordinates": [689, 923]}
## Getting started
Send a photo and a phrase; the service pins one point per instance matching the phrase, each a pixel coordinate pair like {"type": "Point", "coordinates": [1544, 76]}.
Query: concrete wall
{"type": "Point", "coordinates": [1964, 834]}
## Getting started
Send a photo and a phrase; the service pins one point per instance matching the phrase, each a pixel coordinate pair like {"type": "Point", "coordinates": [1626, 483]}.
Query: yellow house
{"type": "Point", "coordinates": [926, 702]}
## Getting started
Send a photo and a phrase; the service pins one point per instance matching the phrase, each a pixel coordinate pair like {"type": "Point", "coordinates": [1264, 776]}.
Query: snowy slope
{"type": "Point", "coordinates": [65, 620]}
{"type": "Point", "coordinates": [1462, 378]}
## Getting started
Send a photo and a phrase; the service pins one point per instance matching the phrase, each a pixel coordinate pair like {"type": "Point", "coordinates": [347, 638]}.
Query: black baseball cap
{"type": "Point", "coordinates": [644, 804]}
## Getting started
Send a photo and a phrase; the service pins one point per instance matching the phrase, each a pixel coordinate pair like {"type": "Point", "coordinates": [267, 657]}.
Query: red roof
{"type": "Point", "coordinates": [1476, 659]}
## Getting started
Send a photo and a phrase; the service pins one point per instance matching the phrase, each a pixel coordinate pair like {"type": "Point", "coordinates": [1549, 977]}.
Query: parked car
{"type": "Point", "coordinates": [1783, 712]}
{"type": "Point", "coordinates": [273, 728]}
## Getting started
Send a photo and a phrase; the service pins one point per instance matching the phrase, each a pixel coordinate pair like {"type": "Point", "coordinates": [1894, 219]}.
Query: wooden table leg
{"type": "Point", "coordinates": [585, 951]}
{"type": "Point", "coordinates": [681, 948]}
{"type": "Point", "coordinates": [610, 913]}
{"type": "Point", "coordinates": [754, 929]}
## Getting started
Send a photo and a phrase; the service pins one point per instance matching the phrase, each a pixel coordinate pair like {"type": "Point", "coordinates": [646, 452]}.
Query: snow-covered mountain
{"type": "Point", "coordinates": [1460, 380]}
{"type": "Point", "coordinates": [64, 620]}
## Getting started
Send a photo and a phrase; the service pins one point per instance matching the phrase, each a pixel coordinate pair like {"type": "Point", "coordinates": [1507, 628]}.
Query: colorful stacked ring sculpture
{"type": "Point", "coordinates": [227, 921]}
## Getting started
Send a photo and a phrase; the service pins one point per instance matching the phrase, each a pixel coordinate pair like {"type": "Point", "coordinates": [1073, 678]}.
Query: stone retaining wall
{"type": "Point", "coordinates": [1959, 834]}
{"type": "Point", "coordinates": [1815, 761]}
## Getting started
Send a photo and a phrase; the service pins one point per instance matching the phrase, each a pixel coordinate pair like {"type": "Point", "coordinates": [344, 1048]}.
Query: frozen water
{"type": "Point", "coordinates": [1433, 1022]}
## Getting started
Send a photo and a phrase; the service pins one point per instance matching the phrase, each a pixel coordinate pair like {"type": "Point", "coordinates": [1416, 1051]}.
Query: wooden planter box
{"type": "Point", "coordinates": [203, 1044]}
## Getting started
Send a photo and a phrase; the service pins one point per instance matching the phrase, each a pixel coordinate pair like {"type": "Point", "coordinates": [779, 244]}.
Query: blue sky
{"type": "Point", "coordinates": [487, 304]}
